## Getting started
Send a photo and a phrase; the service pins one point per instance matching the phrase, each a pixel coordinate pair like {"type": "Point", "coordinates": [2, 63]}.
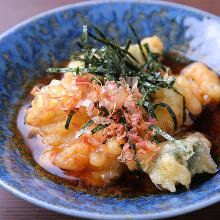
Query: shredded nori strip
{"type": "Point", "coordinates": [171, 139]}
{"type": "Point", "coordinates": [184, 108]}
{"type": "Point", "coordinates": [156, 139]}
{"type": "Point", "coordinates": [85, 42]}
{"type": "Point", "coordinates": [184, 103]}
{"type": "Point", "coordinates": [171, 112]}
{"type": "Point", "coordinates": [191, 115]}
{"type": "Point", "coordinates": [131, 145]}
{"type": "Point", "coordinates": [99, 128]}
{"type": "Point", "coordinates": [71, 113]}
{"type": "Point", "coordinates": [121, 146]}
{"type": "Point", "coordinates": [138, 41]}
{"type": "Point", "coordinates": [113, 62]}
{"type": "Point", "coordinates": [117, 49]}
{"type": "Point", "coordinates": [103, 112]}
{"type": "Point", "coordinates": [123, 64]}
{"type": "Point", "coordinates": [82, 130]}
{"type": "Point", "coordinates": [60, 70]}
{"type": "Point", "coordinates": [104, 142]}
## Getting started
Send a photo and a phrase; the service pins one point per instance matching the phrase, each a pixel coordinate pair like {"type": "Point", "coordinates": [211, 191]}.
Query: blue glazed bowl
{"type": "Point", "coordinates": [49, 38]}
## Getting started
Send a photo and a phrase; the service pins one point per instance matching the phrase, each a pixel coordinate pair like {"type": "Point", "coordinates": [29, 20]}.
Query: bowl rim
{"type": "Point", "coordinates": [96, 215]}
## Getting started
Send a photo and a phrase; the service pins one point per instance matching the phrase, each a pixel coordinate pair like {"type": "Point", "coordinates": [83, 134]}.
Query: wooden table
{"type": "Point", "coordinates": [11, 13]}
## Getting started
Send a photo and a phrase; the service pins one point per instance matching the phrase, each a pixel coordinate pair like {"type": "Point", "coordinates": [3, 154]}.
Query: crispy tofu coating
{"type": "Point", "coordinates": [97, 161]}
{"type": "Point", "coordinates": [175, 101]}
{"type": "Point", "coordinates": [155, 45]}
{"type": "Point", "coordinates": [200, 86]}
{"type": "Point", "coordinates": [173, 167]}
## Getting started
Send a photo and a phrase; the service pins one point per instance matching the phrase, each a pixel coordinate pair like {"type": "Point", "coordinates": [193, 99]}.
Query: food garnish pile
{"type": "Point", "coordinates": [119, 108]}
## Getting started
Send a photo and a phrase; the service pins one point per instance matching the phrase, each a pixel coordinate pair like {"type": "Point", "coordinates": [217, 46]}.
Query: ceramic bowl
{"type": "Point", "coordinates": [29, 48]}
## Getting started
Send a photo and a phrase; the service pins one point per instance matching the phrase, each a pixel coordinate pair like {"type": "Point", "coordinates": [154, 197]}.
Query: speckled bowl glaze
{"type": "Point", "coordinates": [49, 38]}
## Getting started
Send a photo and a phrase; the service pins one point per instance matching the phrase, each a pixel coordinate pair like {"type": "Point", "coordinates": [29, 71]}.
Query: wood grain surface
{"type": "Point", "coordinates": [13, 12]}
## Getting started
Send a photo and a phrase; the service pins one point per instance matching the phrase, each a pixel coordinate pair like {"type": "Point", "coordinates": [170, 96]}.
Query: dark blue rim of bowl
{"type": "Point", "coordinates": [92, 215]}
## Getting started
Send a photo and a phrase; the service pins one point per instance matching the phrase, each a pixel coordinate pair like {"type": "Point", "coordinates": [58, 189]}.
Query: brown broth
{"type": "Point", "coordinates": [209, 123]}
{"type": "Point", "coordinates": [175, 62]}
{"type": "Point", "coordinates": [34, 143]}
{"type": "Point", "coordinates": [129, 184]}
